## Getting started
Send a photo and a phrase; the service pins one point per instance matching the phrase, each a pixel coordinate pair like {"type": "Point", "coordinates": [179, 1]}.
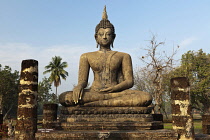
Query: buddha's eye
{"type": "Point", "coordinates": [100, 34]}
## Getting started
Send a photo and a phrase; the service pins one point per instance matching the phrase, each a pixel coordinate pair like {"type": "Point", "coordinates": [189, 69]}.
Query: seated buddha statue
{"type": "Point", "coordinates": [113, 75]}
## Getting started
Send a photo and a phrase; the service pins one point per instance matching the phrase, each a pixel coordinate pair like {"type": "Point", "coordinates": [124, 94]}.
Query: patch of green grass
{"type": "Point", "coordinates": [167, 125]}
{"type": "Point", "coordinates": [197, 126]}
{"type": "Point", "coordinates": [39, 126]}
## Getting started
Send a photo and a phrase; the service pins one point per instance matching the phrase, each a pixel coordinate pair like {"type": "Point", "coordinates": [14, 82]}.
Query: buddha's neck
{"type": "Point", "coordinates": [105, 49]}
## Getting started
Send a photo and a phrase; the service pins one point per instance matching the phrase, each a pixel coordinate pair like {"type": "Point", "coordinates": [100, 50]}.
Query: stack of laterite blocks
{"type": "Point", "coordinates": [115, 123]}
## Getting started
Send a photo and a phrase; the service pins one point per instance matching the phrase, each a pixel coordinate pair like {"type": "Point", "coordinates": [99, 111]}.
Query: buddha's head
{"type": "Point", "coordinates": [104, 32]}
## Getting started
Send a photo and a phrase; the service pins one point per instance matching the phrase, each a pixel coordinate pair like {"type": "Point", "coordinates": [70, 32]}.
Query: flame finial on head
{"type": "Point", "coordinates": [104, 15]}
{"type": "Point", "coordinates": [104, 23]}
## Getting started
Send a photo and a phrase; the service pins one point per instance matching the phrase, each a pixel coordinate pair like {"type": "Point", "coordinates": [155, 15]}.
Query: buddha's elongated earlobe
{"type": "Point", "coordinates": [113, 42]}
{"type": "Point", "coordinates": [96, 40]}
{"type": "Point", "coordinates": [114, 35]}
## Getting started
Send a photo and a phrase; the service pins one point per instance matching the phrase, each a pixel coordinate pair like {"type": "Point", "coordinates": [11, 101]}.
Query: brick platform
{"type": "Point", "coordinates": [202, 137]}
{"type": "Point", "coordinates": [114, 123]}
{"type": "Point", "coordinates": [162, 134]}
{"type": "Point", "coordinates": [113, 118]}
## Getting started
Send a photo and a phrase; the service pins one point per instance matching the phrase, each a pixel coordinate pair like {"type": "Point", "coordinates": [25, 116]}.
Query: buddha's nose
{"type": "Point", "coordinates": [104, 36]}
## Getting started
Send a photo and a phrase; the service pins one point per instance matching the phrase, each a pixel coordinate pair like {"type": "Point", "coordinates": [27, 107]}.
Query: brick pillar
{"type": "Point", "coordinates": [206, 124]}
{"type": "Point", "coordinates": [49, 115]}
{"type": "Point", "coordinates": [182, 120]}
{"type": "Point", "coordinates": [1, 119]}
{"type": "Point", "coordinates": [26, 126]}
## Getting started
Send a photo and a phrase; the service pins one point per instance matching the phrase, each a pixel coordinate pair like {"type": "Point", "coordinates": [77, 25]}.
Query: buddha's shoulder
{"type": "Point", "coordinates": [123, 54]}
{"type": "Point", "coordinates": [89, 54]}
{"type": "Point", "coordinates": [95, 53]}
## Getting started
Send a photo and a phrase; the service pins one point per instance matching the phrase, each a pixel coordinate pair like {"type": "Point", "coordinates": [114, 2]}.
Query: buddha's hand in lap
{"type": "Point", "coordinates": [109, 89]}
{"type": "Point", "coordinates": [77, 93]}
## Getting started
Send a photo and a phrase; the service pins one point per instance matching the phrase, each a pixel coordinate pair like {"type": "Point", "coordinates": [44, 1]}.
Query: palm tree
{"type": "Point", "coordinates": [56, 70]}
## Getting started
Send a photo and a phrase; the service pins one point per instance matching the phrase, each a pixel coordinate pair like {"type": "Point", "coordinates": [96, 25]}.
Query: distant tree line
{"type": "Point", "coordinates": [9, 82]}
{"type": "Point", "coordinates": [195, 65]}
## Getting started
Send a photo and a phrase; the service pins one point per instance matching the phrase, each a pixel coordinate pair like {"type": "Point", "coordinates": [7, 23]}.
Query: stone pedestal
{"type": "Point", "coordinates": [111, 123]}
{"type": "Point", "coordinates": [49, 115]}
{"type": "Point", "coordinates": [108, 118]}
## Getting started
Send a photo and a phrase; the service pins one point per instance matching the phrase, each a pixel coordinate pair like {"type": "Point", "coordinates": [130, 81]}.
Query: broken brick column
{"type": "Point", "coordinates": [182, 120]}
{"type": "Point", "coordinates": [206, 124]}
{"type": "Point", "coordinates": [49, 115]}
{"type": "Point", "coordinates": [26, 125]}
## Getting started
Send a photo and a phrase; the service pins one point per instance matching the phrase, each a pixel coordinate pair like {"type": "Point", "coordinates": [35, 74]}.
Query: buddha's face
{"type": "Point", "coordinates": [105, 37]}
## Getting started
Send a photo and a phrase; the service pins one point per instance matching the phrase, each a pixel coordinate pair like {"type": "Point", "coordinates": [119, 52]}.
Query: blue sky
{"type": "Point", "coordinates": [41, 29]}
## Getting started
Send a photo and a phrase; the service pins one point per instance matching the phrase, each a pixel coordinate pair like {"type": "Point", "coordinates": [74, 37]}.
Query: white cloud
{"type": "Point", "coordinates": [12, 54]}
{"type": "Point", "coordinates": [188, 41]}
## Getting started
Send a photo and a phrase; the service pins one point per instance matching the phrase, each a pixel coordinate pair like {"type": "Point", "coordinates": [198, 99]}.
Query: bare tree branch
{"type": "Point", "coordinates": [157, 64]}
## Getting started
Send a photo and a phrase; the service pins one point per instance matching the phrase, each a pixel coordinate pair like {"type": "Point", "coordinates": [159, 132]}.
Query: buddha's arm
{"type": "Point", "coordinates": [127, 71]}
{"type": "Point", "coordinates": [84, 68]}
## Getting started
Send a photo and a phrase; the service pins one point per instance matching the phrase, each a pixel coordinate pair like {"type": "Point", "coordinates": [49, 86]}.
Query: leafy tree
{"type": "Point", "coordinates": [9, 82]}
{"type": "Point", "coordinates": [196, 67]}
{"type": "Point", "coordinates": [56, 70]}
{"type": "Point", "coordinates": [44, 95]}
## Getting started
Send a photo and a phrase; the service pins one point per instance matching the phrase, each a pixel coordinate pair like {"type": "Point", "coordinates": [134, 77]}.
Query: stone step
{"type": "Point", "coordinates": [105, 110]}
{"type": "Point", "coordinates": [202, 137]}
{"type": "Point", "coordinates": [110, 125]}
{"type": "Point", "coordinates": [161, 134]}
{"type": "Point", "coordinates": [107, 118]}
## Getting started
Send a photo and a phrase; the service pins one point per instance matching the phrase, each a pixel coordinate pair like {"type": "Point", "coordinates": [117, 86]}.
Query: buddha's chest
{"type": "Point", "coordinates": [103, 62]}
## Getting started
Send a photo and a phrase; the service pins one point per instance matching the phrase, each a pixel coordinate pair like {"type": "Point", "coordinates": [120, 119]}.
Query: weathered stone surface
{"type": "Point", "coordinates": [182, 120]}
{"type": "Point", "coordinates": [206, 124]}
{"type": "Point", "coordinates": [49, 115]}
{"type": "Point", "coordinates": [107, 118]}
{"type": "Point", "coordinates": [26, 125]}
{"type": "Point", "coordinates": [202, 137]}
{"type": "Point", "coordinates": [112, 125]}
{"type": "Point", "coordinates": [110, 135]}
{"type": "Point", "coordinates": [157, 117]}
{"type": "Point", "coordinates": [113, 76]}
{"type": "Point", "coordinates": [105, 110]}
{"type": "Point", "coordinates": [180, 88]}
